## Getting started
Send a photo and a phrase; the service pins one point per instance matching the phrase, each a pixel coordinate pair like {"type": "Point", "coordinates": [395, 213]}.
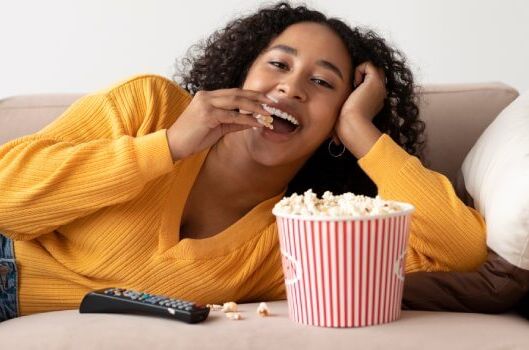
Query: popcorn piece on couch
{"type": "Point", "coordinates": [234, 315]}
{"type": "Point", "coordinates": [214, 307]}
{"type": "Point", "coordinates": [229, 307]}
{"type": "Point", "coordinates": [262, 310]}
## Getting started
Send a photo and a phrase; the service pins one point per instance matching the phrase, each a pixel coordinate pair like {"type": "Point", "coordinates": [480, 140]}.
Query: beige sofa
{"type": "Point", "coordinates": [455, 115]}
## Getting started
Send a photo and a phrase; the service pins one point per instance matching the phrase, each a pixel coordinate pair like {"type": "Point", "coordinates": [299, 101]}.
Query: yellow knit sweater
{"type": "Point", "coordinates": [94, 200]}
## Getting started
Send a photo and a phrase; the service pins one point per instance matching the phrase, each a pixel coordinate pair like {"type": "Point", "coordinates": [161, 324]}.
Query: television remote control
{"type": "Point", "coordinates": [127, 301]}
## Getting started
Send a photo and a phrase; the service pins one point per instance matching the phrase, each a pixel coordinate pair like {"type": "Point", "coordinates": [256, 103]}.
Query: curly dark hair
{"type": "Point", "coordinates": [223, 60]}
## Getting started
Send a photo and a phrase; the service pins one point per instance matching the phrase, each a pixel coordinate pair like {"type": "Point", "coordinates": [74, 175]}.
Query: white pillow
{"type": "Point", "coordinates": [496, 174]}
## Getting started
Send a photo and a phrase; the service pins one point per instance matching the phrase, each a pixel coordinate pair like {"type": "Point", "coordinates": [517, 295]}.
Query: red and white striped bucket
{"type": "Point", "coordinates": [343, 272]}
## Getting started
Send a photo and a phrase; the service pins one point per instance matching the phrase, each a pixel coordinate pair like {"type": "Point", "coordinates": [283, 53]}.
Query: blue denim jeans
{"type": "Point", "coordinates": [8, 280]}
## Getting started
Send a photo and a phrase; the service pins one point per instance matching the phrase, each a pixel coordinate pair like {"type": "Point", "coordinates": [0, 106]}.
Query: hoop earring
{"type": "Point", "coordinates": [332, 154]}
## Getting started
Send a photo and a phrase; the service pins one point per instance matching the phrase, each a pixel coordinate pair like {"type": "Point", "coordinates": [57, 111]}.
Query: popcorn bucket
{"type": "Point", "coordinates": [344, 272]}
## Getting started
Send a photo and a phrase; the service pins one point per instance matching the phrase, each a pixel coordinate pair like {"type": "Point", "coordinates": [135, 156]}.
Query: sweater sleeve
{"type": "Point", "coordinates": [445, 233]}
{"type": "Point", "coordinates": [100, 152]}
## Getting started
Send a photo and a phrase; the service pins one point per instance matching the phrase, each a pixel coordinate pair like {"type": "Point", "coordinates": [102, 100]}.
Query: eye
{"type": "Point", "coordinates": [323, 83]}
{"type": "Point", "coordinates": [279, 64]}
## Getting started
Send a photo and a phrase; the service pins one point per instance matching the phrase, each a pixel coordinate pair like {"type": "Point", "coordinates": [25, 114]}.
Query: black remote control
{"type": "Point", "coordinates": [126, 301]}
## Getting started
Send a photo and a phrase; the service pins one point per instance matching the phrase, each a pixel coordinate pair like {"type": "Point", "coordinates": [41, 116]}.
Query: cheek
{"type": "Point", "coordinates": [252, 83]}
{"type": "Point", "coordinates": [325, 113]}
{"type": "Point", "coordinates": [255, 80]}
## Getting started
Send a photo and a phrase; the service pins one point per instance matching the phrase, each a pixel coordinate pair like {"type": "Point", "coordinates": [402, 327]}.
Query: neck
{"type": "Point", "coordinates": [233, 173]}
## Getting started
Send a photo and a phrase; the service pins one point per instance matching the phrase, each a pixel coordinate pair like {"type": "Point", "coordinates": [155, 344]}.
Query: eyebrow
{"type": "Point", "coordinates": [321, 63]}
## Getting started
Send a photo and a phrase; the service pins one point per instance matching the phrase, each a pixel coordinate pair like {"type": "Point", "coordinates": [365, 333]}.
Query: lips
{"type": "Point", "coordinates": [283, 126]}
{"type": "Point", "coordinates": [273, 136]}
{"type": "Point", "coordinates": [281, 115]}
{"type": "Point", "coordinates": [288, 108]}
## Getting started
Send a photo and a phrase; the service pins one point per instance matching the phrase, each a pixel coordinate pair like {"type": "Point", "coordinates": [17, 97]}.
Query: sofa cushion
{"type": "Point", "coordinates": [496, 287]}
{"type": "Point", "coordinates": [495, 180]}
{"type": "Point", "coordinates": [455, 116]}
{"type": "Point", "coordinates": [26, 114]}
{"type": "Point", "coordinates": [415, 330]}
{"type": "Point", "coordinates": [496, 175]}
{"type": "Point", "coordinates": [461, 111]}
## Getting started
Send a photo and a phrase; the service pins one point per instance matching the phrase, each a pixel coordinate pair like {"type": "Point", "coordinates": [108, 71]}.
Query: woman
{"type": "Point", "coordinates": [143, 186]}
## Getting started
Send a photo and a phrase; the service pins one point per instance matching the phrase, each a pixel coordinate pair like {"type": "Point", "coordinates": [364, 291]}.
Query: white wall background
{"type": "Point", "coordinates": [85, 45]}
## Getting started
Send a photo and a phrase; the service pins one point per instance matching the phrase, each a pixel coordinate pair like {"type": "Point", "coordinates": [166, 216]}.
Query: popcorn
{"type": "Point", "coordinates": [262, 310]}
{"type": "Point", "coordinates": [229, 307]}
{"type": "Point", "coordinates": [265, 120]}
{"type": "Point", "coordinates": [347, 204]}
{"type": "Point", "coordinates": [280, 114]}
{"type": "Point", "coordinates": [230, 310]}
{"type": "Point", "coordinates": [214, 307]}
{"type": "Point", "coordinates": [234, 315]}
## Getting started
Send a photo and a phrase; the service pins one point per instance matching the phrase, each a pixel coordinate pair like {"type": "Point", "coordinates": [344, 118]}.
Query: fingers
{"type": "Point", "coordinates": [231, 103]}
{"type": "Point", "coordinates": [366, 68]}
{"type": "Point", "coordinates": [227, 128]}
{"type": "Point", "coordinates": [234, 117]}
{"type": "Point", "coordinates": [251, 102]}
{"type": "Point", "coordinates": [248, 94]}
{"type": "Point", "coordinates": [232, 106]}
{"type": "Point", "coordinates": [360, 72]}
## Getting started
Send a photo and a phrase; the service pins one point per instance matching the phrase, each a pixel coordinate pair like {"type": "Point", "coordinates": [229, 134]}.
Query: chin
{"type": "Point", "coordinates": [271, 154]}
{"type": "Point", "coordinates": [267, 158]}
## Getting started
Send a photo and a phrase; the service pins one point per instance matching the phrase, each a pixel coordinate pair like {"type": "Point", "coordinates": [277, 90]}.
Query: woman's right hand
{"type": "Point", "coordinates": [211, 115]}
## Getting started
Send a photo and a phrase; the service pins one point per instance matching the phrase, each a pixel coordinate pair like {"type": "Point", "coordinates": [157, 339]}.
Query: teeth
{"type": "Point", "coordinates": [281, 114]}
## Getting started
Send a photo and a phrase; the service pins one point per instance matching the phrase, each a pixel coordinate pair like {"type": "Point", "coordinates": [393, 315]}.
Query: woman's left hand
{"type": "Point", "coordinates": [354, 127]}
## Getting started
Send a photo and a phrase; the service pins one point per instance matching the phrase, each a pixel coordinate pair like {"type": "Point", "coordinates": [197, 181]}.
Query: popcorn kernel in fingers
{"type": "Point", "coordinates": [265, 118]}
{"type": "Point", "coordinates": [229, 307]}
{"type": "Point", "coordinates": [265, 121]}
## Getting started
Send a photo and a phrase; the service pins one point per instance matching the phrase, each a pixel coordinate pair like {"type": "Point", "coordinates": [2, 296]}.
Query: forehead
{"type": "Point", "coordinates": [315, 40]}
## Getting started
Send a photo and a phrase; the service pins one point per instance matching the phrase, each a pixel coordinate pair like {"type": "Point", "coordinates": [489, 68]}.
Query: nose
{"type": "Point", "coordinates": [292, 87]}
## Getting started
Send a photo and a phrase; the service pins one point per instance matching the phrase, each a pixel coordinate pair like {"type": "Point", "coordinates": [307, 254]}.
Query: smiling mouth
{"type": "Point", "coordinates": [283, 122]}
{"type": "Point", "coordinates": [283, 126]}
